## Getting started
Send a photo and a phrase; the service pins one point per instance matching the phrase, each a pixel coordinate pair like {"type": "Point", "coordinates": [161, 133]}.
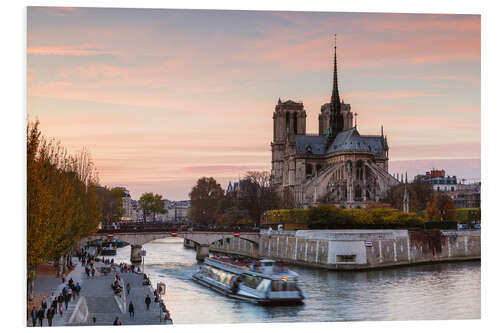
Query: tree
{"type": "Point", "coordinates": [151, 204]}
{"type": "Point", "coordinates": [440, 208]}
{"type": "Point", "coordinates": [204, 199]}
{"type": "Point", "coordinates": [419, 194]}
{"type": "Point", "coordinates": [62, 201]}
{"type": "Point", "coordinates": [257, 195]}
{"type": "Point", "coordinates": [112, 203]}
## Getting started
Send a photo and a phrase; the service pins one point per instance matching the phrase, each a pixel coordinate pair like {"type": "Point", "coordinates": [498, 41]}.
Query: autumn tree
{"type": "Point", "coordinates": [62, 201]}
{"type": "Point", "coordinates": [257, 195]}
{"type": "Point", "coordinates": [151, 204]}
{"type": "Point", "coordinates": [440, 208]}
{"type": "Point", "coordinates": [204, 199]}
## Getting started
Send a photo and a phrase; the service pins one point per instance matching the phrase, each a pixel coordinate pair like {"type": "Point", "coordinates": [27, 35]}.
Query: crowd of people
{"type": "Point", "coordinates": [54, 304]}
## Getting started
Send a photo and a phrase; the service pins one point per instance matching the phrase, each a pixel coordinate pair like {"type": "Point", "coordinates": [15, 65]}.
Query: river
{"type": "Point", "coordinates": [422, 292]}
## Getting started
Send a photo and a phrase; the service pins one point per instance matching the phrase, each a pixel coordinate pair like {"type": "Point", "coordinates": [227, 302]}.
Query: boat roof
{"type": "Point", "coordinates": [244, 270]}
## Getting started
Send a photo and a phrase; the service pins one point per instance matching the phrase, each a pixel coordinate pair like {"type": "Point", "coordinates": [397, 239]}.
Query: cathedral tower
{"type": "Point", "coordinates": [289, 119]}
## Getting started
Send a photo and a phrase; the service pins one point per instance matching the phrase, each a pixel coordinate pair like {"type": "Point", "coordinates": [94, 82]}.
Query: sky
{"type": "Point", "coordinates": [163, 97]}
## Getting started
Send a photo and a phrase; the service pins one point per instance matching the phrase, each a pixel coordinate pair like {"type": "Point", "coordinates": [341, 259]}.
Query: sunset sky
{"type": "Point", "coordinates": [163, 97]}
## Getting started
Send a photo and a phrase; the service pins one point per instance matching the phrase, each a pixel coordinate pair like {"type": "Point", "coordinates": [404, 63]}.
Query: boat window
{"type": "Point", "coordinates": [281, 285]}
{"type": "Point", "coordinates": [218, 275]}
{"type": "Point", "coordinates": [251, 281]}
{"type": "Point", "coordinates": [264, 285]}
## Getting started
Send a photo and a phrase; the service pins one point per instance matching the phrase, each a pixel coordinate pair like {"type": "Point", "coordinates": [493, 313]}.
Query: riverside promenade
{"type": "Point", "coordinates": [97, 298]}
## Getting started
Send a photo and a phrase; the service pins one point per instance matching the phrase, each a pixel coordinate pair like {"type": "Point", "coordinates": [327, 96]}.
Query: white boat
{"type": "Point", "coordinates": [265, 283]}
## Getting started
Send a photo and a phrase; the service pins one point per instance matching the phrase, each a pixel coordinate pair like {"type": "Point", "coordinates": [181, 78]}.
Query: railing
{"type": "Point", "coordinates": [169, 227]}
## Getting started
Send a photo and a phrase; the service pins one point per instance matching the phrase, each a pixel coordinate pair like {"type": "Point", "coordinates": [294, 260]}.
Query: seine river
{"type": "Point", "coordinates": [437, 291]}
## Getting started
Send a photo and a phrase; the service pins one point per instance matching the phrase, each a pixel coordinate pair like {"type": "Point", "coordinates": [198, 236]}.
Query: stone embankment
{"type": "Point", "coordinates": [358, 249]}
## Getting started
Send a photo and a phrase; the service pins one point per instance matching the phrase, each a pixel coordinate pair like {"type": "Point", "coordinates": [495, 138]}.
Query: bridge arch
{"type": "Point", "coordinates": [203, 239]}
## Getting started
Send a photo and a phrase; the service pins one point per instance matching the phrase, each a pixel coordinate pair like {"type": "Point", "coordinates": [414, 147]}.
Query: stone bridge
{"type": "Point", "coordinates": [202, 239]}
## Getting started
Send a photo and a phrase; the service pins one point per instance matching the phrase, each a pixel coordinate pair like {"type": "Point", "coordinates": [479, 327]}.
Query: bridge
{"type": "Point", "coordinates": [202, 239]}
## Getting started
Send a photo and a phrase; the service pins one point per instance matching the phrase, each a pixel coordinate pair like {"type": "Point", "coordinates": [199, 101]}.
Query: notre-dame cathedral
{"type": "Point", "coordinates": [338, 165]}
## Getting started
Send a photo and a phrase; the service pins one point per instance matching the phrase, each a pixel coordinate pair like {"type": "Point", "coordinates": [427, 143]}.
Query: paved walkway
{"type": "Point", "coordinates": [100, 298]}
{"type": "Point", "coordinates": [46, 285]}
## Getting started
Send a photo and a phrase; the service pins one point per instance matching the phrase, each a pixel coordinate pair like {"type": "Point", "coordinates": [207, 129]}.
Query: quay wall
{"type": "Point", "coordinates": [357, 249]}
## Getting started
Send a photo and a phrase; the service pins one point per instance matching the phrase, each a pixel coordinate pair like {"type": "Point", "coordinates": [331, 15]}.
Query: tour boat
{"type": "Point", "coordinates": [265, 282]}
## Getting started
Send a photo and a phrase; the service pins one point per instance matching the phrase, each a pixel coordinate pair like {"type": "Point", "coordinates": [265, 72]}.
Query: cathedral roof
{"type": "Point", "coordinates": [314, 144]}
{"type": "Point", "coordinates": [348, 140]}
{"type": "Point", "coordinates": [351, 140]}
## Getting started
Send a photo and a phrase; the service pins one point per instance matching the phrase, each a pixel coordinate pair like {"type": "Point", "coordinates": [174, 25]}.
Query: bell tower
{"type": "Point", "coordinates": [289, 119]}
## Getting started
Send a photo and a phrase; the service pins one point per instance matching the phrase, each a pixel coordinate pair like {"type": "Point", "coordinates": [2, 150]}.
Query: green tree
{"type": "Point", "coordinates": [112, 203]}
{"type": "Point", "coordinates": [204, 199]}
{"type": "Point", "coordinates": [151, 204]}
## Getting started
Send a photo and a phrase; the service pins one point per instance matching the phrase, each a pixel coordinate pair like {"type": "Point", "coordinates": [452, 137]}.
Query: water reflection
{"type": "Point", "coordinates": [438, 291]}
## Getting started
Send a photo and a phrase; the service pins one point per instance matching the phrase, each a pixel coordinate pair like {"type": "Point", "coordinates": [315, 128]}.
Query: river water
{"type": "Point", "coordinates": [434, 291]}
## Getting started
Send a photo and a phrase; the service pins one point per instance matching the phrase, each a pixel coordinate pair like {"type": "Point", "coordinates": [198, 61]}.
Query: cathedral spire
{"type": "Point", "coordinates": [336, 119]}
{"type": "Point", "coordinates": [335, 90]}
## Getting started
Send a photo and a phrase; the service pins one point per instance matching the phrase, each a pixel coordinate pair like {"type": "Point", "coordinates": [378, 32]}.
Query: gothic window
{"type": "Point", "coordinates": [349, 168]}
{"type": "Point", "coordinates": [359, 170]}
{"type": "Point", "coordinates": [308, 169]}
{"type": "Point", "coordinates": [357, 193]}
{"type": "Point", "coordinates": [295, 122]}
{"type": "Point", "coordinates": [288, 122]}
{"type": "Point", "coordinates": [318, 168]}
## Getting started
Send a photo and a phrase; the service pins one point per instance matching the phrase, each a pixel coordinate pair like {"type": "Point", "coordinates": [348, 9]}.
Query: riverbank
{"type": "Point", "coordinates": [357, 249]}
{"type": "Point", "coordinates": [98, 300]}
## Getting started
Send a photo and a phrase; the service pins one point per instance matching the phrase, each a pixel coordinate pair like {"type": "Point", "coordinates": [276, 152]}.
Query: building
{"type": "Point", "coordinates": [127, 206]}
{"type": "Point", "coordinates": [468, 196]}
{"type": "Point", "coordinates": [232, 187]}
{"type": "Point", "coordinates": [440, 182]}
{"type": "Point", "coordinates": [178, 211]}
{"type": "Point", "coordinates": [337, 165]}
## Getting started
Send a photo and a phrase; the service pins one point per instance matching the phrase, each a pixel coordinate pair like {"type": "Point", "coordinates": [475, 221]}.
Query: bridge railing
{"type": "Point", "coordinates": [171, 227]}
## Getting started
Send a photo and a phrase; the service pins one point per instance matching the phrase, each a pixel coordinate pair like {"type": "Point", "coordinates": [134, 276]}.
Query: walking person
{"type": "Point", "coordinates": [93, 272]}
{"type": "Point", "coordinates": [33, 316]}
{"type": "Point", "coordinates": [66, 301]}
{"type": "Point", "coordinates": [77, 289]}
{"type": "Point", "coordinates": [128, 289]}
{"type": "Point", "coordinates": [60, 309]}
{"type": "Point", "coordinates": [94, 319]}
{"type": "Point", "coordinates": [44, 304]}
{"type": "Point", "coordinates": [148, 302]}
{"type": "Point", "coordinates": [40, 315]}
{"type": "Point", "coordinates": [131, 309]}
{"type": "Point", "coordinates": [50, 315]}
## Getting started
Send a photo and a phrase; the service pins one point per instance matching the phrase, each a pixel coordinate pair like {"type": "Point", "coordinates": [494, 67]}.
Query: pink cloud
{"type": "Point", "coordinates": [67, 50]}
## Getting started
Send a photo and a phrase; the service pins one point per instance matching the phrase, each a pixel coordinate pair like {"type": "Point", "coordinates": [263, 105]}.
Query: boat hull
{"type": "Point", "coordinates": [266, 302]}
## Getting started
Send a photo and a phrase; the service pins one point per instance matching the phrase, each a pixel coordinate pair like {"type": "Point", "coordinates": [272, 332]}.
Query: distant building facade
{"type": "Point", "coordinates": [337, 165]}
{"type": "Point", "coordinates": [468, 196]}
{"type": "Point", "coordinates": [440, 182]}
